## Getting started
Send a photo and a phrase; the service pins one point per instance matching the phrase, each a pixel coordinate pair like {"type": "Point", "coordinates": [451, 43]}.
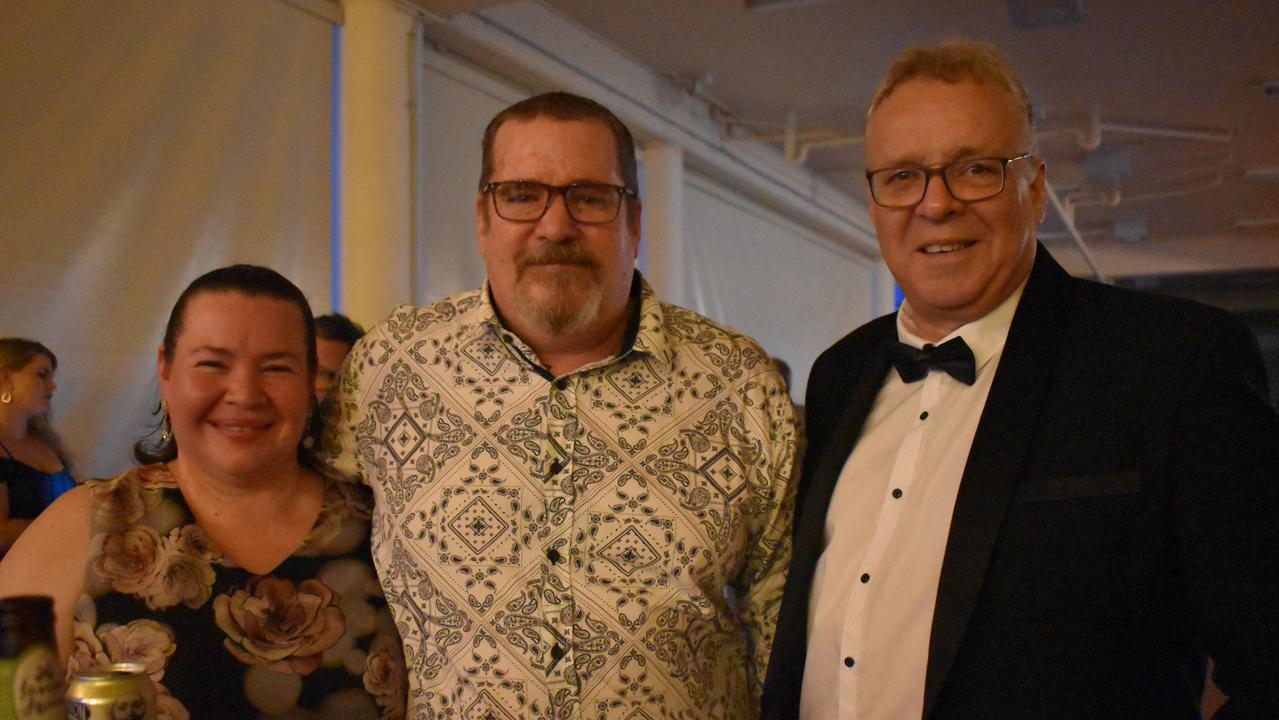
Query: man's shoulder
{"type": "Point", "coordinates": [408, 320]}
{"type": "Point", "coordinates": [1146, 335]}
{"type": "Point", "coordinates": [686, 328]}
{"type": "Point", "coordinates": [1085, 309]}
{"type": "Point", "coordinates": [1149, 316]}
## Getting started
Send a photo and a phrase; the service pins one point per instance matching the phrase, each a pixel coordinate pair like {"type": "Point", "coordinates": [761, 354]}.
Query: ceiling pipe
{"type": "Point", "coordinates": [790, 140]}
{"type": "Point", "coordinates": [1105, 198]}
{"type": "Point", "coordinates": [1214, 181]}
{"type": "Point", "coordinates": [828, 143]}
{"type": "Point", "coordinates": [1115, 196]}
{"type": "Point", "coordinates": [1089, 138]}
{"type": "Point", "coordinates": [1067, 215]}
{"type": "Point", "coordinates": [796, 145]}
{"type": "Point", "coordinates": [1168, 131]}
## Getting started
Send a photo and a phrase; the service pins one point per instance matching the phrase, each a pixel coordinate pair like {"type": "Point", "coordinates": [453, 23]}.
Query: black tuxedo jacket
{"type": "Point", "coordinates": [1117, 519]}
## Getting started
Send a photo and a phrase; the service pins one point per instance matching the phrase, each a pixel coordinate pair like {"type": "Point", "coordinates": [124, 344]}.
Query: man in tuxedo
{"type": "Point", "coordinates": [1025, 495]}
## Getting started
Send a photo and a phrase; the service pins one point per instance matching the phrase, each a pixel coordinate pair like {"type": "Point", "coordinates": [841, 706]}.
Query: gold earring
{"type": "Point", "coordinates": [166, 426]}
{"type": "Point", "coordinates": [6, 398]}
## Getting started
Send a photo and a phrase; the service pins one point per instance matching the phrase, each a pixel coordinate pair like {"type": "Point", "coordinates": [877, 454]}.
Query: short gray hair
{"type": "Point", "coordinates": [954, 61]}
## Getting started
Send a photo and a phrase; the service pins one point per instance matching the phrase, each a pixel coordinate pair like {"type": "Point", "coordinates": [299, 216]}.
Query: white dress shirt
{"type": "Point", "coordinates": [875, 586]}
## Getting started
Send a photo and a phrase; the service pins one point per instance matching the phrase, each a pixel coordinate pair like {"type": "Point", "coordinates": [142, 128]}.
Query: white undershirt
{"type": "Point", "coordinates": [875, 585]}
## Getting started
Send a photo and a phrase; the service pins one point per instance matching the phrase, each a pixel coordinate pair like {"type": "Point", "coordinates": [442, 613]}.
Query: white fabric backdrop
{"type": "Point", "coordinates": [143, 144]}
{"type": "Point", "coordinates": [790, 289]}
{"type": "Point", "coordinates": [456, 103]}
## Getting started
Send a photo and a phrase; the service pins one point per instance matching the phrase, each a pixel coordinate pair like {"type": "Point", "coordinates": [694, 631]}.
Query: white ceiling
{"type": "Point", "coordinates": [1172, 64]}
{"type": "Point", "coordinates": [1179, 65]}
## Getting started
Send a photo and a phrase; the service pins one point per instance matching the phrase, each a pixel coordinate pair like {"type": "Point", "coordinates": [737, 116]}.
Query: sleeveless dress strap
{"type": "Point", "coordinates": [6, 450]}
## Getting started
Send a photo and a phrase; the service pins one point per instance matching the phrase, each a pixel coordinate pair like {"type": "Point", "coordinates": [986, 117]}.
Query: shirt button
{"type": "Point", "coordinates": [848, 662]}
{"type": "Point", "coordinates": [897, 493]}
{"type": "Point", "coordinates": [553, 555]}
{"type": "Point", "coordinates": [557, 652]}
{"type": "Point", "coordinates": [865, 577]}
{"type": "Point", "coordinates": [556, 467]}
{"type": "Point", "coordinates": [923, 415]}
{"type": "Point", "coordinates": [561, 384]}
{"type": "Point", "coordinates": [507, 339]}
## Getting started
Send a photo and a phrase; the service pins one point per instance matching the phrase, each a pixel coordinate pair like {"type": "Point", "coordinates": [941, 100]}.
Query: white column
{"type": "Point", "coordinates": [664, 221]}
{"type": "Point", "coordinates": [375, 176]}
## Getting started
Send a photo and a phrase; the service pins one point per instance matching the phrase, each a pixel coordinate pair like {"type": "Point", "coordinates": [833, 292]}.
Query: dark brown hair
{"type": "Point", "coordinates": [339, 327]}
{"type": "Point", "coordinates": [254, 281]}
{"type": "Point", "coordinates": [15, 354]}
{"type": "Point", "coordinates": [563, 106]}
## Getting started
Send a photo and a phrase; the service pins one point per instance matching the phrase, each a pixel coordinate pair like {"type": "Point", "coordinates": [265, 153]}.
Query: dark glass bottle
{"type": "Point", "coordinates": [30, 675]}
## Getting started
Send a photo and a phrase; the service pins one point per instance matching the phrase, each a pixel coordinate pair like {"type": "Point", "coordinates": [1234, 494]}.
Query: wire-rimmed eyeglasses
{"type": "Point", "coordinates": [966, 180]}
{"type": "Point", "coordinates": [528, 201]}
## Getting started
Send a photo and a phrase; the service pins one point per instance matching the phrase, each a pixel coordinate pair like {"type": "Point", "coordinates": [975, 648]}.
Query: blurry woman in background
{"type": "Point", "coordinates": [33, 463]}
{"type": "Point", "coordinates": [231, 565]}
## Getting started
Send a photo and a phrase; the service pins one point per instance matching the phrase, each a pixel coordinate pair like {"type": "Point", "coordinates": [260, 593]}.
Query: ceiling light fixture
{"type": "Point", "coordinates": [1264, 172]}
{"type": "Point", "coordinates": [1131, 230]}
{"type": "Point", "coordinates": [769, 5]}
{"type": "Point", "coordinates": [1256, 222]}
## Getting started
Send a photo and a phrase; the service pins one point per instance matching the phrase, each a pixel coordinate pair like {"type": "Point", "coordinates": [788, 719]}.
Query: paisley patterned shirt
{"type": "Point", "coordinates": [608, 544]}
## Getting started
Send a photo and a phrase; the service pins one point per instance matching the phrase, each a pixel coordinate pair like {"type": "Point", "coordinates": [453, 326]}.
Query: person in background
{"type": "Point", "coordinates": [33, 462]}
{"type": "Point", "coordinates": [583, 493]}
{"type": "Point", "coordinates": [1026, 495]}
{"type": "Point", "coordinates": [335, 335]}
{"type": "Point", "coordinates": [230, 564]}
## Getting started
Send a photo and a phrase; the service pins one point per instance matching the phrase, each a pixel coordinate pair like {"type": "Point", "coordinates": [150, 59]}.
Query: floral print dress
{"type": "Point", "coordinates": [313, 639]}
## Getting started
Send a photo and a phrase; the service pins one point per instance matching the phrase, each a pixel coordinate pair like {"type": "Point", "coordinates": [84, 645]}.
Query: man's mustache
{"type": "Point", "coordinates": [555, 255]}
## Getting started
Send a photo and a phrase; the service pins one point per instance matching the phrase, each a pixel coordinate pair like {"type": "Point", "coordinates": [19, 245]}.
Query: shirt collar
{"type": "Point", "coordinates": [481, 317]}
{"type": "Point", "coordinates": [645, 327]}
{"type": "Point", "coordinates": [985, 336]}
{"type": "Point", "coordinates": [650, 335]}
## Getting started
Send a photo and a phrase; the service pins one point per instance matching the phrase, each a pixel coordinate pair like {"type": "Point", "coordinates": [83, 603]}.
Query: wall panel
{"type": "Point", "coordinates": [145, 143]}
{"type": "Point", "coordinates": [792, 290]}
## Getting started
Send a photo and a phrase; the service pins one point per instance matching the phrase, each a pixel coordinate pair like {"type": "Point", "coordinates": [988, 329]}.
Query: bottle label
{"type": "Point", "coordinates": [31, 685]}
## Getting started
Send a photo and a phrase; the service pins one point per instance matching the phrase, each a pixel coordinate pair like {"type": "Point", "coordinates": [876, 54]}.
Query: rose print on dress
{"type": "Point", "coordinates": [327, 648]}
{"type": "Point", "coordinates": [163, 571]}
{"type": "Point", "coordinates": [281, 626]}
{"type": "Point", "coordinates": [123, 501]}
{"type": "Point", "coordinates": [145, 642]}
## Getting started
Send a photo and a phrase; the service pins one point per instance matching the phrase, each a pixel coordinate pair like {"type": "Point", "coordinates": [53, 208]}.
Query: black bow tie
{"type": "Point", "coordinates": [952, 357]}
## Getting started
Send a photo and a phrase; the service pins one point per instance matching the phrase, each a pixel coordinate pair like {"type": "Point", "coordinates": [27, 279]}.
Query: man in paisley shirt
{"type": "Point", "coordinates": [583, 493]}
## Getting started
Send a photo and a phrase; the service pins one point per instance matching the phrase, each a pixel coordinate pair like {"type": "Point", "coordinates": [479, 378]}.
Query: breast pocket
{"type": "Point", "coordinates": [1074, 487]}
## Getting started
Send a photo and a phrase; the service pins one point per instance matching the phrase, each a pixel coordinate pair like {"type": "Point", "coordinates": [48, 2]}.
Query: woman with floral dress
{"type": "Point", "coordinates": [231, 564]}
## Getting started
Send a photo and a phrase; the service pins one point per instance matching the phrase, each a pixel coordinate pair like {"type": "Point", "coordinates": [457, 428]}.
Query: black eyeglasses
{"type": "Point", "coordinates": [528, 201]}
{"type": "Point", "coordinates": [966, 180]}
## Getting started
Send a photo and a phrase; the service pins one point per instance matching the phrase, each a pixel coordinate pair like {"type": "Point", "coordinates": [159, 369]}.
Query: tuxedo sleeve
{"type": "Point", "coordinates": [1225, 464]}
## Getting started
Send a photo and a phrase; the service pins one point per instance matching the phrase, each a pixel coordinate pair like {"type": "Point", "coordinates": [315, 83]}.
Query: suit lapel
{"type": "Point", "coordinates": [821, 472]}
{"type": "Point", "coordinates": [1003, 439]}
{"type": "Point", "coordinates": [828, 466]}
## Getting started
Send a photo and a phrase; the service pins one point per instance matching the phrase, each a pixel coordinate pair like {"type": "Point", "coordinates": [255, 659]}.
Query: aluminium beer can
{"type": "Point", "coordinates": [121, 691]}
